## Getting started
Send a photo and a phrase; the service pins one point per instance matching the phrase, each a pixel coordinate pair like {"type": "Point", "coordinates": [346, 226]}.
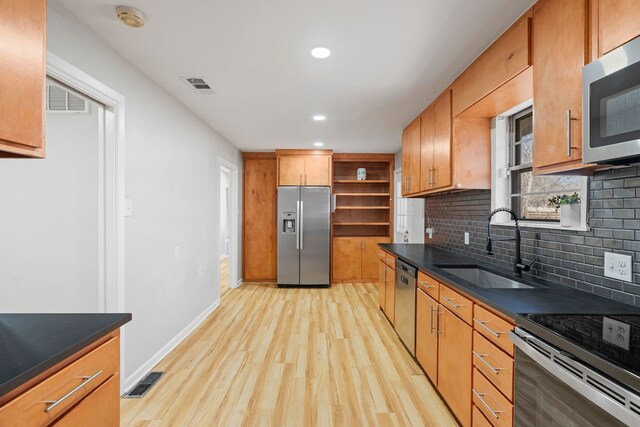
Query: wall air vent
{"type": "Point", "coordinates": [199, 85]}
{"type": "Point", "coordinates": [61, 101]}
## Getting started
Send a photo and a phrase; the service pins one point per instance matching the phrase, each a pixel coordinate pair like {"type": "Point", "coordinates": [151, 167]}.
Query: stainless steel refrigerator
{"type": "Point", "coordinates": [303, 236]}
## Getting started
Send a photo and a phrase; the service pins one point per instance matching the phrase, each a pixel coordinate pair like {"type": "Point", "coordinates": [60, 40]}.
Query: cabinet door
{"type": "Point", "coordinates": [370, 251]}
{"type": "Point", "coordinates": [22, 67]}
{"type": "Point", "coordinates": [557, 82]}
{"type": "Point", "coordinates": [382, 277]}
{"type": "Point", "coordinates": [390, 296]}
{"type": "Point", "coordinates": [427, 334]}
{"type": "Point", "coordinates": [290, 170]}
{"type": "Point", "coordinates": [426, 149]}
{"type": "Point", "coordinates": [454, 364]}
{"type": "Point", "coordinates": [101, 408]}
{"type": "Point", "coordinates": [317, 170]}
{"type": "Point", "coordinates": [259, 220]}
{"type": "Point", "coordinates": [347, 258]}
{"type": "Point", "coordinates": [411, 158]}
{"type": "Point", "coordinates": [441, 174]}
{"type": "Point", "coordinates": [618, 22]}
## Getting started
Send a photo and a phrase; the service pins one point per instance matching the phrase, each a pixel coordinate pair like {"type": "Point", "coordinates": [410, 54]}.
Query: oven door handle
{"type": "Point", "coordinates": [577, 376]}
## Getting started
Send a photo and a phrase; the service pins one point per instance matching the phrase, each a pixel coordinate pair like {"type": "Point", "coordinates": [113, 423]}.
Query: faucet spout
{"type": "Point", "coordinates": [518, 266]}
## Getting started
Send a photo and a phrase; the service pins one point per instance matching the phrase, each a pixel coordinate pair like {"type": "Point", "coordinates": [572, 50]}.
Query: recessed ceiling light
{"type": "Point", "coordinates": [320, 52]}
{"type": "Point", "coordinates": [318, 144]}
{"type": "Point", "coordinates": [319, 118]}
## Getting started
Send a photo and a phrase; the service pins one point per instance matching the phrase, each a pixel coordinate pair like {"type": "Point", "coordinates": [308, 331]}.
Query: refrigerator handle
{"type": "Point", "coordinates": [298, 221]}
{"type": "Point", "coordinates": [333, 202]}
{"type": "Point", "coordinates": [301, 227]}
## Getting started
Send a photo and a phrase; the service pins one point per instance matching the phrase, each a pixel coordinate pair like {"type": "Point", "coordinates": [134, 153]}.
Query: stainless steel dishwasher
{"type": "Point", "coordinates": [405, 305]}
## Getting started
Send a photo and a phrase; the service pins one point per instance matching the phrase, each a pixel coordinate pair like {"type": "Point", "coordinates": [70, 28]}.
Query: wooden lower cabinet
{"type": "Point", "coordinates": [355, 258]}
{"type": "Point", "coordinates": [454, 364]}
{"type": "Point", "coordinates": [478, 419]}
{"type": "Point", "coordinates": [101, 408]}
{"type": "Point", "coordinates": [496, 408]}
{"type": "Point", "coordinates": [382, 280]}
{"type": "Point", "coordinates": [390, 295]}
{"type": "Point", "coordinates": [427, 334]}
{"type": "Point", "coordinates": [259, 228]}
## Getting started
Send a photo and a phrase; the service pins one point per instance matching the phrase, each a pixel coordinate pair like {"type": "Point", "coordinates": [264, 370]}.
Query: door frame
{"type": "Point", "coordinates": [234, 281]}
{"type": "Point", "coordinates": [112, 249]}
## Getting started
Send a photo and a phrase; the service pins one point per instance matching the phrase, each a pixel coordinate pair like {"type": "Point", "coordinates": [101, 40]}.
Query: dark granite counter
{"type": "Point", "coordinates": [544, 298]}
{"type": "Point", "coordinates": [32, 343]}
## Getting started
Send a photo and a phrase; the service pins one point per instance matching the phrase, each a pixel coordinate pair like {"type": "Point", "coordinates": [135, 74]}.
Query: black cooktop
{"type": "Point", "coordinates": [614, 338]}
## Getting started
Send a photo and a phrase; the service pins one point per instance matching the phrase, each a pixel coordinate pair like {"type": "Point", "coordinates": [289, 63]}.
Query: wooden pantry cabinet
{"type": "Point", "coordinates": [304, 167]}
{"type": "Point", "coordinates": [259, 217]}
{"type": "Point", "coordinates": [355, 258]}
{"type": "Point", "coordinates": [22, 67]}
{"type": "Point", "coordinates": [557, 84]}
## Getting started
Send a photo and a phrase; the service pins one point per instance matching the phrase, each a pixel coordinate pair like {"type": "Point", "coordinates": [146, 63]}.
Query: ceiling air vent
{"type": "Point", "coordinates": [60, 100]}
{"type": "Point", "coordinates": [198, 84]}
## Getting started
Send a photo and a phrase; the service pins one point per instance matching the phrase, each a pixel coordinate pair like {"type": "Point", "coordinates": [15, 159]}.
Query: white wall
{"type": "Point", "coordinates": [49, 222]}
{"type": "Point", "coordinates": [173, 179]}
{"type": "Point", "coordinates": [225, 181]}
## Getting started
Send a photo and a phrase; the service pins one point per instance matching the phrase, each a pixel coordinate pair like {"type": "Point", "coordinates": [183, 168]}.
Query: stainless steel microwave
{"type": "Point", "coordinates": [611, 107]}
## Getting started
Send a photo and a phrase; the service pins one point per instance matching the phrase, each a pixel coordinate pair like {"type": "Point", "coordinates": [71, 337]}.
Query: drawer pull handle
{"type": "Point", "coordinates": [482, 359]}
{"type": "Point", "coordinates": [491, 331]}
{"type": "Point", "coordinates": [86, 380]}
{"type": "Point", "coordinates": [424, 284]}
{"type": "Point", "coordinates": [453, 304]}
{"type": "Point", "coordinates": [495, 413]}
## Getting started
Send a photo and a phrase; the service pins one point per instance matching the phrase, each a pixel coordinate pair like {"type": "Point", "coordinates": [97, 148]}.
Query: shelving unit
{"type": "Point", "coordinates": [363, 208]}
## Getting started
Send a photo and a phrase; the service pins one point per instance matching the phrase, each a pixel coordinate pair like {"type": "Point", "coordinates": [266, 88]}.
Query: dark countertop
{"type": "Point", "coordinates": [32, 343]}
{"type": "Point", "coordinates": [545, 298]}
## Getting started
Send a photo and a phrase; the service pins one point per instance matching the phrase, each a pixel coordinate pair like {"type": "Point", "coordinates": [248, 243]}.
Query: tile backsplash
{"type": "Point", "coordinates": [572, 258]}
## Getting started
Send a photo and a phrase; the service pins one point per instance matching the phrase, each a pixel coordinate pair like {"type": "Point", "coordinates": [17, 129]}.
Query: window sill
{"type": "Point", "coordinates": [533, 224]}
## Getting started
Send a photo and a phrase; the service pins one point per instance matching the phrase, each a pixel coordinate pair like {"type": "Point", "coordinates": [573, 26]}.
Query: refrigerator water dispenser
{"type": "Point", "coordinates": [289, 223]}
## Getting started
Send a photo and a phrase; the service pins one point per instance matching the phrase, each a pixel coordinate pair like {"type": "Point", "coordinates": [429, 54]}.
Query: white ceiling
{"type": "Point", "coordinates": [389, 59]}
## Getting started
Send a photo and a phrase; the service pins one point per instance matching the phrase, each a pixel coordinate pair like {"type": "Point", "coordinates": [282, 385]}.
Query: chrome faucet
{"type": "Point", "coordinates": [518, 266]}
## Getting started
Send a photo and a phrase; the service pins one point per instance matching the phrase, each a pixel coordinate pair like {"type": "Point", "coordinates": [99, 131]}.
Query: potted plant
{"type": "Point", "coordinates": [569, 206]}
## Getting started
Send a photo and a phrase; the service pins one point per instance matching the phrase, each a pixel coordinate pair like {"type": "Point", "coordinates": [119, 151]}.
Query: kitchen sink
{"type": "Point", "coordinates": [484, 278]}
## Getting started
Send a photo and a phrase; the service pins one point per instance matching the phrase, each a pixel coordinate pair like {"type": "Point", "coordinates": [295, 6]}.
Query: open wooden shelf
{"type": "Point", "coordinates": [362, 207]}
{"type": "Point", "coordinates": [360, 181]}
{"type": "Point", "coordinates": [361, 194]}
{"type": "Point", "coordinates": [360, 223]}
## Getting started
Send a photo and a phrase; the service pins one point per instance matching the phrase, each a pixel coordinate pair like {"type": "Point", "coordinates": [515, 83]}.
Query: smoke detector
{"type": "Point", "coordinates": [130, 16]}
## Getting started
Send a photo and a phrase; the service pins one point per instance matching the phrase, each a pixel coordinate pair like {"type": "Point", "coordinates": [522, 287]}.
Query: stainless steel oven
{"type": "Point", "coordinates": [611, 107]}
{"type": "Point", "coordinates": [554, 388]}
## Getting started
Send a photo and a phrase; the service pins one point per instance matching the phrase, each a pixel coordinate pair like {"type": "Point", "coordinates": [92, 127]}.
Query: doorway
{"type": "Point", "coordinates": [228, 227]}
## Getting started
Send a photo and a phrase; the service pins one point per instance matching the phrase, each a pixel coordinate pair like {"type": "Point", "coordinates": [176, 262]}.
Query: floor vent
{"type": "Point", "coordinates": [144, 385]}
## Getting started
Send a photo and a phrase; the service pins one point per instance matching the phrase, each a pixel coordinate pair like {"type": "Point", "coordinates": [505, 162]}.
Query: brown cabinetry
{"type": "Point", "coordinates": [435, 144]}
{"type": "Point", "coordinates": [387, 285]}
{"type": "Point", "coordinates": [355, 258]}
{"type": "Point", "coordinates": [557, 84]}
{"type": "Point", "coordinates": [411, 154]}
{"type": "Point", "coordinates": [83, 391]}
{"type": "Point", "coordinates": [617, 21]}
{"type": "Point", "coordinates": [427, 334]}
{"type": "Point", "coordinates": [304, 167]}
{"type": "Point", "coordinates": [22, 67]}
{"type": "Point", "coordinates": [259, 216]}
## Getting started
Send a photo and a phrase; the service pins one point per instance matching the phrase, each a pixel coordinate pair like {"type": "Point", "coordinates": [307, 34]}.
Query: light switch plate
{"type": "Point", "coordinates": [616, 332]}
{"type": "Point", "coordinates": [128, 207]}
{"type": "Point", "coordinates": [430, 232]}
{"type": "Point", "coordinates": [617, 266]}
{"type": "Point", "coordinates": [466, 238]}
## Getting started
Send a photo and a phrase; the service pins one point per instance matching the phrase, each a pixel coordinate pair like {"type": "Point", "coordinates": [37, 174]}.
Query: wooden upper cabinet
{"type": "Point", "coordinates": [259, 229]}
{"type": "Point", "coordinates": [297, 167]}
{"type": "Point", "coordinates": [503, 60]}
{"type": "Point", "coordinates": [441, 175]}
{"type": "Point", "coordinates": [22, 82]}
{"type": "Point", "coordinates": [618, 21]}
{"type": "Point", "coordinates": [426, 148]}
{"type": "Point", "coordinates": [317, 170]}
{"type": "Point", "coordinates": [560, 46]}
{"type": "Point", "coordinates": [411, 158]}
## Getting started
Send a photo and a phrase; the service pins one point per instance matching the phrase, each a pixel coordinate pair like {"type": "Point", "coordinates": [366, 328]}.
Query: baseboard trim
{"type": "Point", "coordinates": [143, 370]}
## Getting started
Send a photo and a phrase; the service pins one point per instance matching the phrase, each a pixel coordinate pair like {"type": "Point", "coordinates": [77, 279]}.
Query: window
{"type": "Point", "coordinates": [514, 183]}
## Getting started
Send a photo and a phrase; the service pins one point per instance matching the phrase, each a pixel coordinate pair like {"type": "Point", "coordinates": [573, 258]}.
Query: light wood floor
{"type": "Point", "coordinates": [291, 357]}
{"type": "Point", "coordinates": [224, 276]}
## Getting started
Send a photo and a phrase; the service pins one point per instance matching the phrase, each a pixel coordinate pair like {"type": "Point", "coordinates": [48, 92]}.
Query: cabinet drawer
{"type": "Point", "coordinates": [428, 284]}
{"type": "Point", "coordinates": [67, 387]}
{"type": "Point", "coordinates": [391, 261]}
{"type": "Point", "coordinates": [493, 328]}
{"type": "Point", "coordinates": [494, 406]}
{"type": "Point", "coordinates": [461, 306]}
{"type": "Point", "coordinates": [101, 408]}
{"type": "Point", "coordinates": [494, 363]}
{"type": "Point", "coordinates": [478, 419]}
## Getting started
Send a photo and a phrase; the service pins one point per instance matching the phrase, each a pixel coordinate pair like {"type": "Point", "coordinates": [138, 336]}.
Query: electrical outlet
{"type": "Point", "coordinates": [176, 252]}
{"type": "Point", "coordinates": [616, 332]}
{"type": "Point", "coordinates": [466, 238]}
{"type": "Point", "coordinates": [617, 266]}
{"type": "Point", "coordinates": [430, 232]}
